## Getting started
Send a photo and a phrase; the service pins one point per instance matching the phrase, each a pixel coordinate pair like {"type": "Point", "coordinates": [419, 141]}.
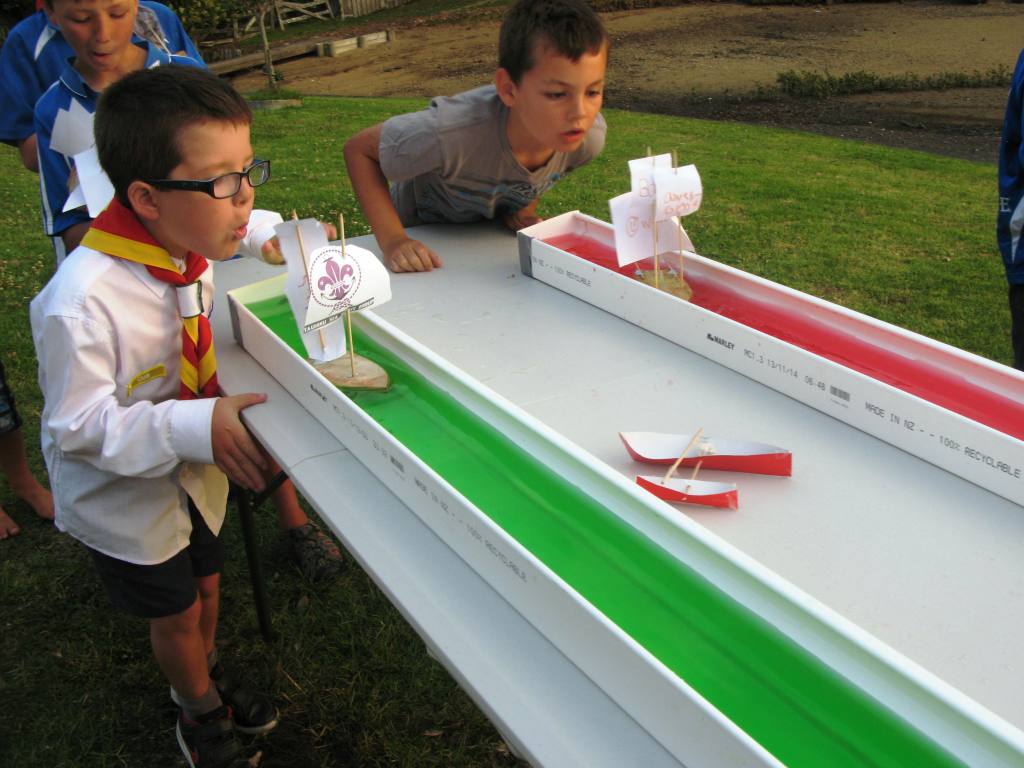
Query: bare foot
{"type": "Point", "coordinates": [38, 497]}
{"type": "Point", "coordinates": [7, 526]}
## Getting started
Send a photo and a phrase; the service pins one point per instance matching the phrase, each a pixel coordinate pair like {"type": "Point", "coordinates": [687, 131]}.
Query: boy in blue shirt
{"type": "Point", "coordinates": [35, 53]}
{"type": "Point", "coordinates": [1010, 218]}
{"type": "Point", "coordinates": [493, 151]}
{"type": "Point", "coordinates": [101, 33]}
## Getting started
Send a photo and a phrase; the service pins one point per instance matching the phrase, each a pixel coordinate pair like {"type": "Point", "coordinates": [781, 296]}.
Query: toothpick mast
{"type": "Point", "coordinates": [693, 441]}
{"type": "Point", "coordinates": [654, 233]}
{"type": "Point", "coordinates": [679, 222]}
{"type": "Point", "coordinates": [348, 310]}
{"type": "Point", "coordinates": [693, 477]}
{"type": "Point", "coordinates": [305, 268]}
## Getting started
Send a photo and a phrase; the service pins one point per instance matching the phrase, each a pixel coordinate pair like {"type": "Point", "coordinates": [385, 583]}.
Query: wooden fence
{"type": "Point", "coordinates": [363, 7]}
{"type": "Point", "coordinates": [289, 12]}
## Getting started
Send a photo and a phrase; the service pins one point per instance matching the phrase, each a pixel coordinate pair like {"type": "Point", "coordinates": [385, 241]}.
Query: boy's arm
{"type": "Point", "coordinates": [401, 253]}
{"type": "Point", "coordinates": [261, 241]}
{"type": "Point", "coordinates": [73, 235]}
{"type": "Point", "coordinates": [18, 96]}
{"type": "Point", "coordinates": [29, 153]}
{"type": "Point", "coordinates": [77, 360]}
{"type": "Point", "coordinates": [77, 363]}
{"type": "Point", "coordinates": [257, 243]}
{"type": "Point", "coordinates": [524, 217]}
{"type": "Point", "coordinates": [235, 452]}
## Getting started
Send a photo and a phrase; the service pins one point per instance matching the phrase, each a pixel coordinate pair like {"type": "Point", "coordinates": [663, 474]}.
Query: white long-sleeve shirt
{"type": "Point", "coordinates": [122, 451]}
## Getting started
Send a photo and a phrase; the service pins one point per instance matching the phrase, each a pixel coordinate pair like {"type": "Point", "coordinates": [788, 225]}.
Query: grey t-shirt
{"type": "Point", "coordinates": [452, 162]}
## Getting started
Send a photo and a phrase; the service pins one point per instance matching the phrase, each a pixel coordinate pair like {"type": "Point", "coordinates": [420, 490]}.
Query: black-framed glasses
{"type": "Point", "coordinates": [223, 186]}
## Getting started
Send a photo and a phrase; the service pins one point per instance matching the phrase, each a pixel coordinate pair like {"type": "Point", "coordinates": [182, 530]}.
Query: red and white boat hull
{"type": "Point", "coordinates": [729, 455]}
{"type": "Point", "coordinates": [680, 491]}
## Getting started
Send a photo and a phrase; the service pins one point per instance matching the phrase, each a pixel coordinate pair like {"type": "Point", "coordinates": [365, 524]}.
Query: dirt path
{"type": "Point", "coordinates": [707, 60]}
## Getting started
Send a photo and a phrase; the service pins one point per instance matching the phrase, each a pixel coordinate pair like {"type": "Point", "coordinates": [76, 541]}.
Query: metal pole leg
{"type": "Point", "coordinates": [246, 505]}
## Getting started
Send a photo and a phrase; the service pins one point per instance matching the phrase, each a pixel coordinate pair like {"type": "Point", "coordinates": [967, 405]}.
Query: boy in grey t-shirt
{"type": "Point", "coordinates": [492, 151]}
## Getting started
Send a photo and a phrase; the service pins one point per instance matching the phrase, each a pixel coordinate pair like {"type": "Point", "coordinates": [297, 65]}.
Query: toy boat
{"type": "Point", "coordinates": [325, 285]}
{"type": "Point", "coordinates": [733, 455]}
{"type": "Point", "coordinates": [682, 491]}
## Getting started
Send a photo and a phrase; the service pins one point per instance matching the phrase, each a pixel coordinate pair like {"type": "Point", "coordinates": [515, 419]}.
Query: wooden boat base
{"type": "Point", "coordinates": [670, 283]}
{"type": "Point", "coordinates": [368, 374]}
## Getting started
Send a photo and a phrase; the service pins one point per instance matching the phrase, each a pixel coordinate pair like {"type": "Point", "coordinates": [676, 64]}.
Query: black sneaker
{"type": "Point", "coordinates": [210, 741]}
{"type": "Point", "coordinates": [317, 555]}
{"type": "Point", "coordinates": [251, 712]}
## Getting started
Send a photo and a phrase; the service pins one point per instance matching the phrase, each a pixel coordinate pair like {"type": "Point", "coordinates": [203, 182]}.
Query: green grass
{"type": "Point", "coordinates": [280, 93]}
{"type": "Point", "coordinates": [903, 236]}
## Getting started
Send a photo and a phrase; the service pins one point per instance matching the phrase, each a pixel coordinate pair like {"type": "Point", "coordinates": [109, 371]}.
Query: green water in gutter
{"type": "Point", "coordinates": [797, 708]}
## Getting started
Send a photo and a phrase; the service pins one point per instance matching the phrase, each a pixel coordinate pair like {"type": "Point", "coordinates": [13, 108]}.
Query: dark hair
{"type": "Point", "coordinates": [569, 27]}
{"type": "Point", "coordinates": [139, 118]}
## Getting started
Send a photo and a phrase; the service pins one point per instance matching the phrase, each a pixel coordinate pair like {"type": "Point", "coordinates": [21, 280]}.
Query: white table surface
{"type": "Point", "coordinates": [929, 563]}
{"type": "Point", "coordinates": [545, 708]}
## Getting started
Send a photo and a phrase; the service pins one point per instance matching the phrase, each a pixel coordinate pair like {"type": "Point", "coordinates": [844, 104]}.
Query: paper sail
{"type": "Point", "coordinates": [713, 453]}
{"type": "Point", "coordinates": [94, 188]}
{"type": "Point", "coordinates": [633, 221]}
{"type": "Point", "coordinates": [76, 195]}
{"type": "Point", "coordinates": [678, 191]}
{"type": "Point", "coordinates": [683, 491]}
{"type": "Point", "coordinates": [352, 279]}
{"type": "Point", "coordinates": [641, 174]}
{"type": "Point", "coordinates": [684, 242]}
{"type": "Point", "coordinates": [328, 342]}
{"type": "Point", "coordinates": [72, 136]}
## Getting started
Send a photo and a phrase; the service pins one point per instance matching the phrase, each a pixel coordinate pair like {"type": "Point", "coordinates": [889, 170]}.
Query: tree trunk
{"type": "Point", "coordinates": [268, 61]}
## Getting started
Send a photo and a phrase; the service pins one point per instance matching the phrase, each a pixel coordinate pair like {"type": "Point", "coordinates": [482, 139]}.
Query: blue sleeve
{"type": "Point", "coordinates": [54, 172]}
{"type": "Point", "coordinates": [21, 85]}
{"type": "Point", "coordinates": [177, 38]}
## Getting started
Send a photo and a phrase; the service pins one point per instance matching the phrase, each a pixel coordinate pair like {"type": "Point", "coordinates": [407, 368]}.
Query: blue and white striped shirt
{"type": "Point", "coordinates": [54, 167]}
{"type": "Point", "coordinates": [34, 55]}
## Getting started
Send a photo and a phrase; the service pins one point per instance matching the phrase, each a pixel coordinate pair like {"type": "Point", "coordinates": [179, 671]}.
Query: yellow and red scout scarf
{"type": "Point", "coordinates": [118, 232]}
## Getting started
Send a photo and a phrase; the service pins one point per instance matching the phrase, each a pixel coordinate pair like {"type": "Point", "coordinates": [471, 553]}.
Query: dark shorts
{"type": "Point", "coordinates": [1017, 324]}
{"type": "Point", "coordinates": [9, 418]}
{"type": "Point", "coordinates": [167, 588]}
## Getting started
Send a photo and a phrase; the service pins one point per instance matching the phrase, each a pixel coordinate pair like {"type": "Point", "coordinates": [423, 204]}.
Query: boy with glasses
{"type": "Point", "coordinates": [138, 444]}
{"type": "Point", "coordinates": [219, 187]}
{"type": "Point", "coordinates": [100, 32]}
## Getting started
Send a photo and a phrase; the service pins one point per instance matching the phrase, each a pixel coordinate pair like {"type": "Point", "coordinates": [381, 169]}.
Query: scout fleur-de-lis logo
{"type": "Point", "coordinates": [338, 280]}
{"type": "Point", "coordinates": [337, 277]}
